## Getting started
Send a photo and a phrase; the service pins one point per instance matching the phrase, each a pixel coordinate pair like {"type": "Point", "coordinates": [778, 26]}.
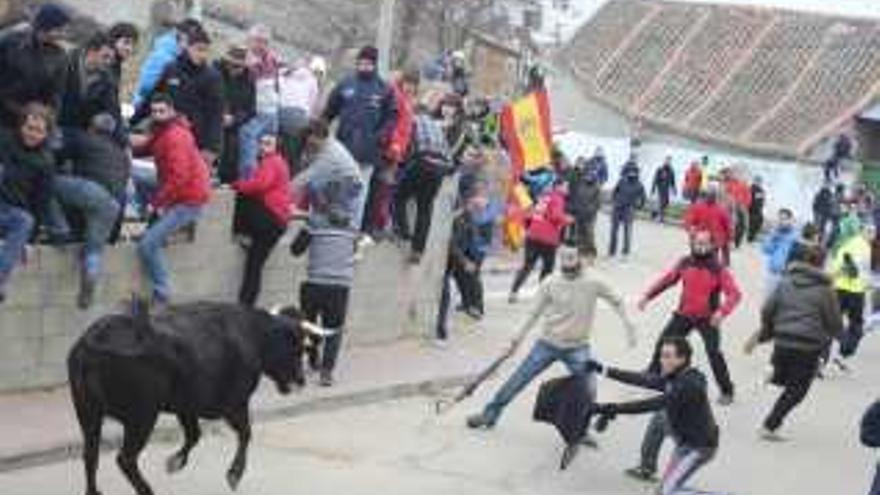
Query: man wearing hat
{"type": "Point", "coordinates": [33, 64]}
{"type": "Point", "coordinates": [367, 113]}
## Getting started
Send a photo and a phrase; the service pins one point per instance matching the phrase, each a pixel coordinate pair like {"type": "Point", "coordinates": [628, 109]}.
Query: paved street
{"type": "Point", "coordinates": [402, 447]}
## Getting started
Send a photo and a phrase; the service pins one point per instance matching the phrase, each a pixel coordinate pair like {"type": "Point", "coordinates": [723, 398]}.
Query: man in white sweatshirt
{"type": "Point", "coordinates": [567, 301]}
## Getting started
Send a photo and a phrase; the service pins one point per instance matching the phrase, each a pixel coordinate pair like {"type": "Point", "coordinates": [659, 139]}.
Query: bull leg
{"type": "Point", "coordinates": [191, 435]}
{"type": "Point", "coordinates": [136, 435]}
{"type": "Point", "coordinates": [240, 421]}
{"type": "Point", "coordinates": [90, 423]}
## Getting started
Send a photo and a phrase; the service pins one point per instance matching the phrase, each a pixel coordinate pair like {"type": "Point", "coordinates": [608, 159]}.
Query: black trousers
{"type": "Point", "coordinates": [264, 232]}
{"type": "Point", "coordinates": [533, 252]}
{"type": "Point", "coordinates": [470, 286]}
{"type": "Point", "coordinates": [740, 228]}
{"type": "Point", "coordinates": [585, 234]}
{"type": "Point", "coordinates": [681, 326]}
{"type": "Point", "coordinates": [852, 305]}
{"type": "Point", "coordinates": [421, 183]}
{"type": "Point", "coordinates": [325, 305]}
{"type": "Point", "coordinates": [756, 223]}
{"type": "Point", "coordinates": [794, 370]}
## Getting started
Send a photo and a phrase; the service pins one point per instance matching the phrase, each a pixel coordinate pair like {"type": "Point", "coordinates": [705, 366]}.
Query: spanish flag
{"type": "Point", "coordinates": [526, 129]}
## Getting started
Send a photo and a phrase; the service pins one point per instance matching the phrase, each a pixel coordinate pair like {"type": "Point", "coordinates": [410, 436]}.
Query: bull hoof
{"type": "Point", "coordinates": [175, 463]}
{"type": "Point", "coordinates": [233, 477]}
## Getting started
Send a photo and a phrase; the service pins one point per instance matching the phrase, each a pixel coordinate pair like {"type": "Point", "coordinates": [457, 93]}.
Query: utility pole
{"type": "Point", "coordinates": [385, 35]}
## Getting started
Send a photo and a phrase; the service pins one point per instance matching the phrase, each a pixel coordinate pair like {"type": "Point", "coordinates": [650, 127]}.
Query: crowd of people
{"type": "Point", "coordinates": [348, 158]}
{"type": "Point", "coordinates": [262, 126]}
{"type": "Point", "coordinates": [819, 288]}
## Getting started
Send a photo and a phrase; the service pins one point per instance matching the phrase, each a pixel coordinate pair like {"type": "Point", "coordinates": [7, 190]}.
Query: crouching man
{"type": "Point", "coordinates": [685, 403]}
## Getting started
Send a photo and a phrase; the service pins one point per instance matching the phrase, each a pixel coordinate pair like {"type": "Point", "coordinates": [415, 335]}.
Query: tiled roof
{"type": "Point", "coordinates": [769, 80]}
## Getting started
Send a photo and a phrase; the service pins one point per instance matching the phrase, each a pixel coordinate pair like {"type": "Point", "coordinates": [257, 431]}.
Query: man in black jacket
{"type": "Point", "coordinates": [33, 64]}
{"type": "Point", "coordinates": [240, 106]}
{"type": "Point", "coordinates": [584, 202]}
{"type": "Point", "coordinates": [95, 190]}
{"type": "Point", "coordinates": [664, 187]}
{"type": "Point", "coordinates": [91, 88]}
{"type": "Point", "coordinates": [685, 403]}
{"type": "Point", "coordinates": [756, 208]}
{"type": "Point", "coordinates": [197, 91]}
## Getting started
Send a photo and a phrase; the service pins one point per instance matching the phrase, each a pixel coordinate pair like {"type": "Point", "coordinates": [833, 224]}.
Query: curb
{"type": "Point", "coordinates": [73, 450]}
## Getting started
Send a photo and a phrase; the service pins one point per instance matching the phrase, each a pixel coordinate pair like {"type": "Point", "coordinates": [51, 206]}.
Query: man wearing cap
{"type": "Point", "coordinates": [366, 109]}
{"type": "Point", "coordinates": [239, 107]}
{"type": "Point", "coordinates": [263, 64]}
{"type": "Point", "coordinates": [33, 64]}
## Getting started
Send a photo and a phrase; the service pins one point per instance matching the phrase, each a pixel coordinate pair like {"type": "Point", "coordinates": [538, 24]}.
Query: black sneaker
{"type": "Point", "coordinates": [568, 454]}
{"type": "Point", "coordinates": [641, 473]}
{"type": "Point", "coordinates": [480, 422]}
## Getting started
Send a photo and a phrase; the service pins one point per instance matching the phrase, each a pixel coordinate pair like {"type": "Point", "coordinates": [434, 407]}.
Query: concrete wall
{"type": "Point", "coordinates": [39, 322]}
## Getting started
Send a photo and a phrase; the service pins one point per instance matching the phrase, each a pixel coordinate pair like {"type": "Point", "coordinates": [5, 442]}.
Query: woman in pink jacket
{"type": "Point", "coordinates": [544, 226]}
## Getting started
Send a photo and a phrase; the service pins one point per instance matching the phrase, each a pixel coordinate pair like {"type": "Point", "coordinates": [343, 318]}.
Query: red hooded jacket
{"type": "Point", "coordinates": [739, 191]}
{"type": "Point", "coordinates": [711, 217]}
{"type": "Point", "coordinates": [401, 134]}
{"type": "Point", "coordinates": [270, 184]}
{"type": "Point", "coordinates": [547, 219]}
{"type": "Point", "coordinates": [703, 283]}
{"type": "Point", "coordinates": [183, 176]}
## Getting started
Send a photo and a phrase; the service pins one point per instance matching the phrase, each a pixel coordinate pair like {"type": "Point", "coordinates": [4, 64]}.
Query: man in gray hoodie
{"type": "Point", "coordinates": [331, 180]}
{"type": "Point", "coordinates": [802, 318]}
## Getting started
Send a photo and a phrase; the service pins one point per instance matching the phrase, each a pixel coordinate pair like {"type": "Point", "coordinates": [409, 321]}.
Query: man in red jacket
{"type": "Point", "coordinates": [180, 188]}
{"type": "Point", "coordinates": [709, 294]}
{"type": "Point", "coordinates": [709, 215]}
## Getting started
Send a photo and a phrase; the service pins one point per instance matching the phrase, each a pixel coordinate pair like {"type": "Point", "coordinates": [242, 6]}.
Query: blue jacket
{"type": "Point", "coordinates": [777, 247]}
{"type": "Point", "coordinates": [367, 114]}
{"type": "Point", "coordinates": [628, 194]}
{"type": "Point", "coordinates": [163, 52]}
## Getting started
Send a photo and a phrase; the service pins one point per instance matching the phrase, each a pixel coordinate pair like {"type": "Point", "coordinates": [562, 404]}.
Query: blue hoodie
{"type": "Point", "coordinates": [164, 51]}
{"type": "Point", "coordinates": [777, 247]}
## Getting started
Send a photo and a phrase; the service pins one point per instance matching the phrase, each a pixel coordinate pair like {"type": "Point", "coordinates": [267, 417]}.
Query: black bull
{"type": "Point", "coordinates": [199, 360]}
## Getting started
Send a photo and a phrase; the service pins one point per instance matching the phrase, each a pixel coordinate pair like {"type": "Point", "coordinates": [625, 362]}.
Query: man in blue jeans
{"type": "Point", "coordinates": [628, 195]}
{"type": "Point", "coordinates": [95, 188]}
{"type": "Point", "coordinates": [182, 187]}
{"type": "Point", "coordinates": [567, 301]}
{"type": "Point", "coordinates": [26, 169]}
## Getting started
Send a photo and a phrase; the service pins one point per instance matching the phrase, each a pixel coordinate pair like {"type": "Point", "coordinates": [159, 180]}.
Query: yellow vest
{"type": "Point", "coordinates": [860, 251]}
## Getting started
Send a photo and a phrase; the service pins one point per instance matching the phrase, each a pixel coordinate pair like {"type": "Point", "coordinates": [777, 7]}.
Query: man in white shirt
{"type": "Point", "coordinates": [567, 301]}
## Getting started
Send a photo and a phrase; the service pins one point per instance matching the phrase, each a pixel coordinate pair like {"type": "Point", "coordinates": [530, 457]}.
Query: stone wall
{"type": "Point", "coordinates": [39, 322]}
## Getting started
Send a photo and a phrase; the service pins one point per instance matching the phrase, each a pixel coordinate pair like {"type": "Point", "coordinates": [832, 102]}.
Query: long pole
{"type": "Point", "coordinates": [385, 35]}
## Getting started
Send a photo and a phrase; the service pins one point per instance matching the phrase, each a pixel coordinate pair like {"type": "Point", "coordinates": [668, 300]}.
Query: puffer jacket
{"type": "Point", "coordinates": [270, 185]}
{"type": "Point", "coordinates": [367, 113]}
{"type": "Point", "coordinates": [183, 175]}
{"type": "Point", "coordinates": [584, 194]}
{"type": "Point", "coordinates": [628, 194]}
{"type": "Point", "coordinates": [547, 219]}
{"type": "Point", "coordinates": [802, 313]}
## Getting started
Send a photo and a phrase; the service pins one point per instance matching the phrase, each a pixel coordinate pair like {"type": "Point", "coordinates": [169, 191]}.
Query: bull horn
{"type": "Point", "coordinates": [316, 330]}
